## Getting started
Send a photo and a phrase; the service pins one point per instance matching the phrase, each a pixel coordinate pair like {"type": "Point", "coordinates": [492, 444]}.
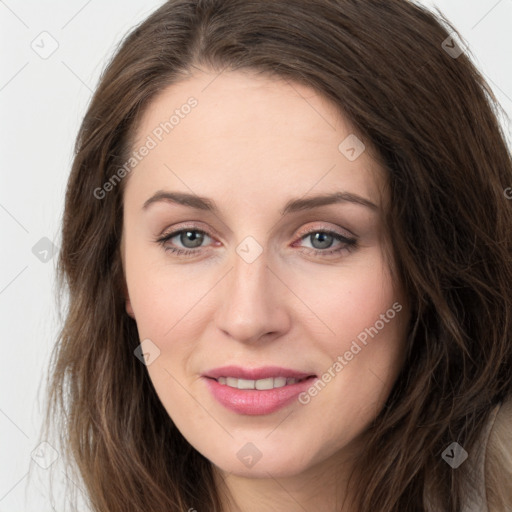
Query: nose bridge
{"type": "Point", "coordinates": [250, 278]}
{"type": "Point", "coordinates": [251, 306]}
{"type": "Point", "coordinates": [250, 275]}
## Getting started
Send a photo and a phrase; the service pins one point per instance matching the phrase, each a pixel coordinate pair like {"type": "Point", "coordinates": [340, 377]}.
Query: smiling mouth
{"type": "Point", "coordinates": [260, 384]}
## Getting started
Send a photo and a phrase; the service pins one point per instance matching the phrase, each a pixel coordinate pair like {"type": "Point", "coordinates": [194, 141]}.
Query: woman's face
{"type": "Point", "coordinates": [272, 279]}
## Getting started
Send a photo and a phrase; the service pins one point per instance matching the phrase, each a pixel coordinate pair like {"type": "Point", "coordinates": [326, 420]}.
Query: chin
{"type": "Point", "coordinates": [265, 461]}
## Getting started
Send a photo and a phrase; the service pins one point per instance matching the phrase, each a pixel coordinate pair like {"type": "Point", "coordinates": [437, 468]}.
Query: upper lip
{"type": "Point", "coordinates": [263, 372]}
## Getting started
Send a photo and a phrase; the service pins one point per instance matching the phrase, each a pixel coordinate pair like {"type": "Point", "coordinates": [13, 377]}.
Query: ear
{"type": "Point", "coordinates": [128, 303]}
{"type": "Point", "coordinates": [129, 308]}
{"type": "Point", "coordinates": [126, 295]}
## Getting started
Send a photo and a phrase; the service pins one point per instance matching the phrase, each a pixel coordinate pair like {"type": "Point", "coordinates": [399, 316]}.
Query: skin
{"type": "Point", "coordinates": [251, 144]}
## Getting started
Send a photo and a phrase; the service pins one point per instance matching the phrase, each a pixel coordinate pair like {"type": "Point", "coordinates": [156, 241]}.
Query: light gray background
{"type": "Point", "coordinates": [42, 101]}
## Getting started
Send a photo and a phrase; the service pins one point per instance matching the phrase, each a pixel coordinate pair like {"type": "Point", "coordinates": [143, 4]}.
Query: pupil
{"type": "Point", "coordinates": [324, 239]}
{"type": "Point", "coordinates": [193, 236]}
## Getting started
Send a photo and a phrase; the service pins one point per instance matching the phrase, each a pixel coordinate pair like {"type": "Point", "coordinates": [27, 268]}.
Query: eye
{"type": "Point", "coordinates": [322, 241]}
{"type": "Point", "coordinates": [190, 238]}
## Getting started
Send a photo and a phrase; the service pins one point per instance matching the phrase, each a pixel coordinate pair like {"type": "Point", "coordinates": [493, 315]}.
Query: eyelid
{"type": "Point", "coordinates": [346, 234]}
{"type": "Point", "coordinates": [302, 233]}
{"type": "Point", "coordinates": [184, 226]}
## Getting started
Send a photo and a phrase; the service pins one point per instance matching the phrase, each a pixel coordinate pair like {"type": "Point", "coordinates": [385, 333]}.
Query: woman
{"type": "Point", "coordinates": [287, 248]}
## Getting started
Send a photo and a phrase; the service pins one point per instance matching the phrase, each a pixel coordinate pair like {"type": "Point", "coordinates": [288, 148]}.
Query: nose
{"type": "Point", "coordinates": [252, 302]}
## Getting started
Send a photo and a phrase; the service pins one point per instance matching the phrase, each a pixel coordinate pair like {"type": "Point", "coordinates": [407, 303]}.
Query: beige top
{"type": "Point", "coordinates": [479, 503]}
{"type": "Point", "coordinates": [492, 466]}
{"type": "Point", "coordinates": [498, 462]}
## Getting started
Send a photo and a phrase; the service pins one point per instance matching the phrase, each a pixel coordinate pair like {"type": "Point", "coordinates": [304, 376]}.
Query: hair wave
{"type": "Point", "coordinates": [432, 120]}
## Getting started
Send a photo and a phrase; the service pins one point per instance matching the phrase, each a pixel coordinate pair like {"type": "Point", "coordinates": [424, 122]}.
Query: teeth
{"type": "Point", "coordinates": [245, 384]}
{"type": "Point", "coordinates": [232, 382]}
{"type": "Point", "coordinates": [261, 384]}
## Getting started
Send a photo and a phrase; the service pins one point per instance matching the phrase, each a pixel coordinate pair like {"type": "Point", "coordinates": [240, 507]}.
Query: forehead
{"type": "Point", "coordinates": [268, 137]}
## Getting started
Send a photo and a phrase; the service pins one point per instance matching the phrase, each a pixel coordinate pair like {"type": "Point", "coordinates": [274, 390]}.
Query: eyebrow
{"type": "Point", "coordinates": [294, 205]}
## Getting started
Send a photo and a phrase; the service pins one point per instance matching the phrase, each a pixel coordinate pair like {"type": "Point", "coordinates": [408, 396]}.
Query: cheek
{"type": "Point", "coordinates": [172, 307]}
{"type": "Point", "coordinates": [357, 311]}
{"type": "Point", "coordinates": [162, 295]}
{"type": "Point", "coordinates": [351, 302]}
{"type": "Point", "coordinates": [169, 311]}
{"type": "Point", "coordinates": [365, 348]}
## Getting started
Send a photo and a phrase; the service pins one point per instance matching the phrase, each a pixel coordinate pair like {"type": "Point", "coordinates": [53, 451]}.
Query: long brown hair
{"type": "Point", "coordinates": [391, 69]}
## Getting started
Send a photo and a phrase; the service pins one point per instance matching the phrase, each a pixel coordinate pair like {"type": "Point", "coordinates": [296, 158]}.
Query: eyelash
{"type": "Point", "coordinates": [349, 244]}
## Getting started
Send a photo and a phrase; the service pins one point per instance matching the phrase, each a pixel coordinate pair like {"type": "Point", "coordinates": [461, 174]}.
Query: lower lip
{"type": "Point", "coordinates": [253, 401]}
